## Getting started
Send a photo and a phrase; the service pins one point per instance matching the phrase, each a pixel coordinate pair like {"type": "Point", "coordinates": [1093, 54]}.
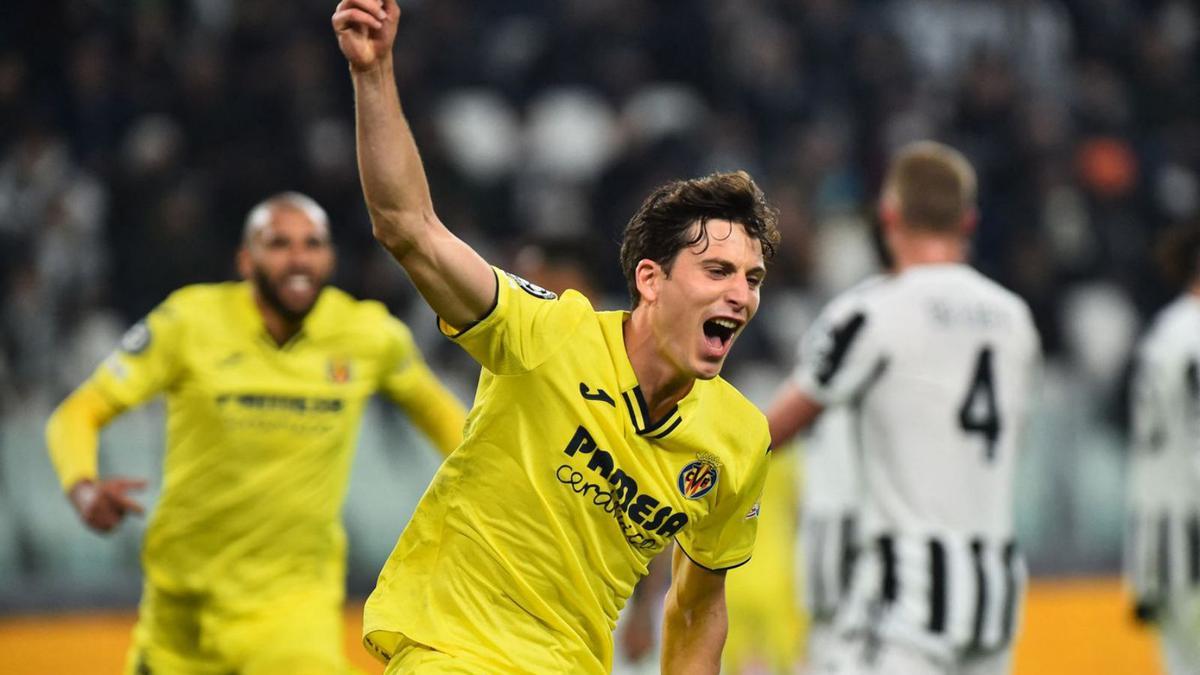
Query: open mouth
{"type": "Point", "coordinates": [718, 332]}
{"type": "Point", "coordinates": [299, 283]}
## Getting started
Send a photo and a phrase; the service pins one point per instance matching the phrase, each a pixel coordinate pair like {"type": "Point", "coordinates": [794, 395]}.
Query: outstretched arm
{"type": "Point", "coordinates": [455, 280]}
{"type": "Point", "coordinates": [694, 620]}
{"type": "Point", "coordinates": [72, 435]}
{"type": "Point", "coordinates": [791, 412]}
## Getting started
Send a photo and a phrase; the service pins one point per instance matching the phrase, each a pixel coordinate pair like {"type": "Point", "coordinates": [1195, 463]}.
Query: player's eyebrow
{"type": "Point", "coordinates": [729, 266]}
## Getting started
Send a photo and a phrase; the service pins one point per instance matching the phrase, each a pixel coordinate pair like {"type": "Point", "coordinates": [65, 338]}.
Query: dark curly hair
{"type": "Point", "coordinates": [662, 226]}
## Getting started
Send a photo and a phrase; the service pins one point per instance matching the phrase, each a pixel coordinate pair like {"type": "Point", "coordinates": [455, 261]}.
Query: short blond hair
{"type": "Point", "coordinates": [933, 184]}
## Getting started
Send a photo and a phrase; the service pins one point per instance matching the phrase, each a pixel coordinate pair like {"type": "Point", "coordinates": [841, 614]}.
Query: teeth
{"type": "Point", "coordinates": [299, 282]}
{"type": "Point", "coordinates": [725, 323]}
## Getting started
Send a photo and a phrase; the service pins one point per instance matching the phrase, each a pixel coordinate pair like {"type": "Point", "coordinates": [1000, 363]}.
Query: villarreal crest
{"type": "Point", "coordinates": [699, 477]}
{"type": "Point", "coordinates": [339, 370]}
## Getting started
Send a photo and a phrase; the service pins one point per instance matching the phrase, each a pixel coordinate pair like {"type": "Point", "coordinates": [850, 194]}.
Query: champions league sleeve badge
{"type": "Point", "coordinates": [136, 339]}
{"type": "Point", "coordinates": [699, 477]}
{"type": "Point", "coordinates": [532, 288]}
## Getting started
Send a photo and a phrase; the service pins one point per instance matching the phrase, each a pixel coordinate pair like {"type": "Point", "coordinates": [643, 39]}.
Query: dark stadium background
{"type": "Point", "coordinates": [134, 136]}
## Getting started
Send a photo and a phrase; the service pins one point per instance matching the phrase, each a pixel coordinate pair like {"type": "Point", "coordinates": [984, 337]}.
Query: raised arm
{"type": "Point", "coordinates": [695, 622]}
{"type": "Point", "coordinates": [455, 280]}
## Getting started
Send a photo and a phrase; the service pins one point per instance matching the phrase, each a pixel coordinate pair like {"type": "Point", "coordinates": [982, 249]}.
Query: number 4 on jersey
{"type": "Point", "coordinates": [979, 413]}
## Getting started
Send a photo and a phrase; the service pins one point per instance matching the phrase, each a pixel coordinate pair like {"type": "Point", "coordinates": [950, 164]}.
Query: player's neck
{"type": "Point", "coordinates": [917, 249]}
{"type": "Point", "coordinates": [662, 384]}
{"type": "Point", "coordinates": [279, 327]}
{"type": "Point", "coordinates": [1194, 289]}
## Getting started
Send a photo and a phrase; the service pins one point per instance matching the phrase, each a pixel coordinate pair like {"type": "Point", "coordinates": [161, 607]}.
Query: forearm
{"type": "Point", "coordinates": [456, 282]}
{"type": "Point", "coordinates": [693, 636]}
{"type": "Point", "coordinates": [393, 178]}
{"type": "Point", "coordinates": [73, 435]}
{"type": "Point", "coordinates": [790, 413]}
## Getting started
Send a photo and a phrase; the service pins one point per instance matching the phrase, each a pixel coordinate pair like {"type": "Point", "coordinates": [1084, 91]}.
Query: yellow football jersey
{"type": "Point", "coordinates": [260, 436]}
{"type": "Point", "coordinates": [534, 532]}
{"type": "Point", "coordinates": [766, 625]}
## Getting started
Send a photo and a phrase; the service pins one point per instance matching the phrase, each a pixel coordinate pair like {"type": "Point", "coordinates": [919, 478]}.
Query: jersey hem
{"type": "Point", "coordinates": [711, 569]}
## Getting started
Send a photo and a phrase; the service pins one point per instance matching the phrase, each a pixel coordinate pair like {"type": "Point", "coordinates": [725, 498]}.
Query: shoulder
{"type": "Point", "coordinates": [864, 293]}
{"type": "Point", "coordinates": [347, 317]}
{"type": "Point", "coordinates": [202, 295]}
{"type": "Point", "coordinates": [1004, 295]}
{"type": "Point", "coordinates": [733, 418]}
{"type": "Point", "coordinates": [1173, 329]}
{"type": "Point", "coordinates": [1180, 317]}
{"type": "Point", "coordinates": [851, 306]}
{"type": "Point", "coordinates": [968, 283]}
{"type": "Point", "coordinates": [340, 307]}
{"type": "Point", "coordinates": [196, 305]}
{"type": "Point", "coordinates": [518, 298]}
{"type": "Point", "coordinates": [844, 318]}
{"type": "Point", "coordinates": [186, 310]}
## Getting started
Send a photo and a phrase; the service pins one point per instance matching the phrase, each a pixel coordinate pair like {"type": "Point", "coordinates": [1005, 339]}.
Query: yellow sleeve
{"type": "Point", "coordinates": [145, 363]}
{"type": "Point", "coordinates": [725, 539]}
{"type": "Point", "coordinates": [525, 327]}
{"type": "Point", "coordinates": [412, 385]}
{"type": "Point", "coordinates": [73, 434]}
{"type": "Point", "coordinates": [147, 360]}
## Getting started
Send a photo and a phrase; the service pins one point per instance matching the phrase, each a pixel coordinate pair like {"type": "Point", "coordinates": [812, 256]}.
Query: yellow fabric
{"type": "Point", "coordinates": [766, 624]}
{"type": "Point", "coordinates": [259, 436]}
{"type": "Point", "coordinates": [534, 532]}
{"type": "Point", "coordinates": [297, 633]}
{"type": "Point", "coordinates": [430, 406]}
{"type": "Point", "coordinates": [73, 434]}
{"type": "Point", "coordinates": [414, 658]}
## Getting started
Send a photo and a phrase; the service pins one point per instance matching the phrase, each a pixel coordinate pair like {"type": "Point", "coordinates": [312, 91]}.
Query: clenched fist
{"type": "Point", "coordinates": [365, 31]}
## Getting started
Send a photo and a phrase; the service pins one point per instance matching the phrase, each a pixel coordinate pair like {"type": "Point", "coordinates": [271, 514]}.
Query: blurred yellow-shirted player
{"type": "Point", "coordinates": [266, 381]}
{"type": "Point", "coordinates": [766, 625]}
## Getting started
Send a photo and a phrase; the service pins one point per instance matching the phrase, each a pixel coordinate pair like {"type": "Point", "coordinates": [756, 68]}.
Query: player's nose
{"type": "Point", "coordinates": [738, 292]}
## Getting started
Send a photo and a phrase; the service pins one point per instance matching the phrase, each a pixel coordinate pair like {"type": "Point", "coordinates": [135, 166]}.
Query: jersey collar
{"type": "Point", "coordinates": [251, 317]}
{"type": "Point", "coordinates": [632, 400]}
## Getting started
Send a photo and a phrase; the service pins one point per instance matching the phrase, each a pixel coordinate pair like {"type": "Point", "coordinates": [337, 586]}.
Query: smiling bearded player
{"type": "Point", "coordinates": [265, 383]}
{"type": "Point", "coordinates": [596, 439]}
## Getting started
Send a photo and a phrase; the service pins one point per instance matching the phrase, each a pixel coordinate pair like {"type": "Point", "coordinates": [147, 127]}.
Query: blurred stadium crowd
{"type": "Point", "coordinates": [135, 136]}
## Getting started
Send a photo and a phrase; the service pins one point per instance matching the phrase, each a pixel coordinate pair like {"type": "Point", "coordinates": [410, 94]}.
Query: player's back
{"type": "Point", "coordinates": [940, 425]}
{"type": "Point", "coordinates": [940, 372]}
{"type": "Point", "coordinates": [1163, 547]}
{"type": "Point", "coordinates": [1167, 405]}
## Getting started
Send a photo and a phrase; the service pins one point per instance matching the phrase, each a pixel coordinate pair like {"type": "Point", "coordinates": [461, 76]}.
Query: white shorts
{"type": "Point", "coordinates": [860, 655]}
{"type": "Point", "coordinates": [1179, 634]}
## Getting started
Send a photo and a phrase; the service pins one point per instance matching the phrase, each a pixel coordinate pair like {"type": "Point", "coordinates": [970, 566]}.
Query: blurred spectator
{"type": "Point", "coordinates": [134, 135]}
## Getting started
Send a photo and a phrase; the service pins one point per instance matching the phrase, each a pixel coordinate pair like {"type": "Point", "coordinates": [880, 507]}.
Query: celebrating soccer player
{"type": "Point", "coordinates": [266, 381]}
{"type": "Point", "coordinates": [937, 362]}
{"type": "Point", "coordinates": [596, 438]}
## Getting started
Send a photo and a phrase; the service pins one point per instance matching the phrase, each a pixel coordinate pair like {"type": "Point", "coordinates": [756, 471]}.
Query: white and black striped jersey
{"type": "Point", "coordinates": [937, 362]}
{"type": "Point", "coordinates": [830, 503]}
{"type": "Point", "coordinates": [1163, 540]}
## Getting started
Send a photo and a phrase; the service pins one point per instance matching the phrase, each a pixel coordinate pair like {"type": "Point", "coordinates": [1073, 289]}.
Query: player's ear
{"type": "Point", "coordinates": [331, 263]}
{"type": "Point", "coordinates": [969, 221]}
{"type": "Point", "coordinates": [649, 276]}
{"type": "Point", "coordinates": [889, 212]}
{"type": "Point", "coordinates": [245, 266]}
